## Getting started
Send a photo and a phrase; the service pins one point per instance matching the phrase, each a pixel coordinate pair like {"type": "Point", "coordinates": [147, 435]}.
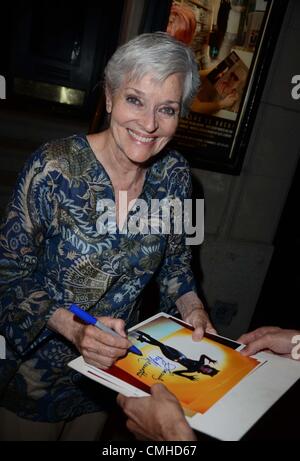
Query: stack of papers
{"type": "Point", "coordinates": [222, 392]}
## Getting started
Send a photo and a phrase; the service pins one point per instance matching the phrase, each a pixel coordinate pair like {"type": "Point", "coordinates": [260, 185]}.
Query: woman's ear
{"type": "Point", "coordinates": [108, 98]}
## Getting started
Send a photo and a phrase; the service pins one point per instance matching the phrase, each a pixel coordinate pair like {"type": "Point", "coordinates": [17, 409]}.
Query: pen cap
{"type": "Point", "coordinates": [85, 316]}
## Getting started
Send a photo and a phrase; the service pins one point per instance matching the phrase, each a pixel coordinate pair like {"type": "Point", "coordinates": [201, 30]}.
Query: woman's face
{"type": "Point", "coordinates": [144, 116]}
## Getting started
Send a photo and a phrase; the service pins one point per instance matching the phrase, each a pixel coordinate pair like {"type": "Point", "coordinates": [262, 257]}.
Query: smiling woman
{"type": "Point", "coordinates": [144, 118]}
{"type": "Point", "coordinates": [52, 254]}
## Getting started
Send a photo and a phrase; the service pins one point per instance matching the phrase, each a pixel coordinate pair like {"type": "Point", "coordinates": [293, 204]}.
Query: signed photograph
{"type": "Point", "coordinates": [198, 373]}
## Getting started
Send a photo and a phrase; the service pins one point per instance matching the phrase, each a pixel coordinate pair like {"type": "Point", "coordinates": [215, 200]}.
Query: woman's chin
{"type": "Point", "coordinates": [139, 158]}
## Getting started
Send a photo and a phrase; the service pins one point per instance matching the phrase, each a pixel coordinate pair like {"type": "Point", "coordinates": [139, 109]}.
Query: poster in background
{"type": "Point", "coordinates": [233, 42]}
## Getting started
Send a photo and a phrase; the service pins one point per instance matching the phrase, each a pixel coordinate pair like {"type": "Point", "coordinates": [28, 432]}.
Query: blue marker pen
{"type": "Point", "coordinates": [90, 320]}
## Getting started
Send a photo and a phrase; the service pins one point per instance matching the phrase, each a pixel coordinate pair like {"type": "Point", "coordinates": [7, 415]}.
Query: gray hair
{"type": "Point", "coordinates": [157, 54]}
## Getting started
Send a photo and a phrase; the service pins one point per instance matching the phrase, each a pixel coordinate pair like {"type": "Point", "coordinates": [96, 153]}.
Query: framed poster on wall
{"type": "Point", "coordinates": [233, 41]}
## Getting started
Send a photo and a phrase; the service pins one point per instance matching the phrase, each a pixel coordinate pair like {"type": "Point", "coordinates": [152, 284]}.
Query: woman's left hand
{"type": "Point", "coordinates": [192, 311]}
{"type": "Point", "coordinates": [198, 318]}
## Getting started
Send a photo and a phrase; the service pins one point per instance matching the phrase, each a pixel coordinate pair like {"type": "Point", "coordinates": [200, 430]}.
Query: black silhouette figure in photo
{"type": "Point", "coordinates": [192, 366]}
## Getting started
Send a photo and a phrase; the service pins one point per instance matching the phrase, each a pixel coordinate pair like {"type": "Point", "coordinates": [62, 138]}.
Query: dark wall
{"type": "Point", "coordinates": [278, 303]}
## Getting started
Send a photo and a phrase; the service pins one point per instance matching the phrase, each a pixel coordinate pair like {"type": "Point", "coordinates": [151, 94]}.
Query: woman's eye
{"type": "Point", "coordinates": [168, 111]}
{"type": "Point", "coordinates": [133, 100]}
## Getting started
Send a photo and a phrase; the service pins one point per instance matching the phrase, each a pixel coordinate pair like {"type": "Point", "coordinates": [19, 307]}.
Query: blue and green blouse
{"type": "Point", "coordinates": [52, 255]}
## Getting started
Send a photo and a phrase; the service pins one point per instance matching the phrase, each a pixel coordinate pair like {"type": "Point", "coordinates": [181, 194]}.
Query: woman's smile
{"type": "Point", "coordinates": [141, 138]}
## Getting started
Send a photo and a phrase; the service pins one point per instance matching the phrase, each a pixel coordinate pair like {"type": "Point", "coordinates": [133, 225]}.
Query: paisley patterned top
{"type": "Point", "coordinates": [52, 255]}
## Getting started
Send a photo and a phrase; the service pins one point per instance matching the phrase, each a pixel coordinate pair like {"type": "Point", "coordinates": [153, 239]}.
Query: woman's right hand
{"type": "Point", "coordinates": [97, 347]}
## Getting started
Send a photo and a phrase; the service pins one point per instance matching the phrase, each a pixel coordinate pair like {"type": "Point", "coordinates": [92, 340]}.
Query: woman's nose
{"type": "Point", "coordinates": [149, 121]}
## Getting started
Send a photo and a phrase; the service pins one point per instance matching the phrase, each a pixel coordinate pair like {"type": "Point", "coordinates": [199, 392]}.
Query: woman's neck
{"type": "Point", "coordinates": [123, 173]}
